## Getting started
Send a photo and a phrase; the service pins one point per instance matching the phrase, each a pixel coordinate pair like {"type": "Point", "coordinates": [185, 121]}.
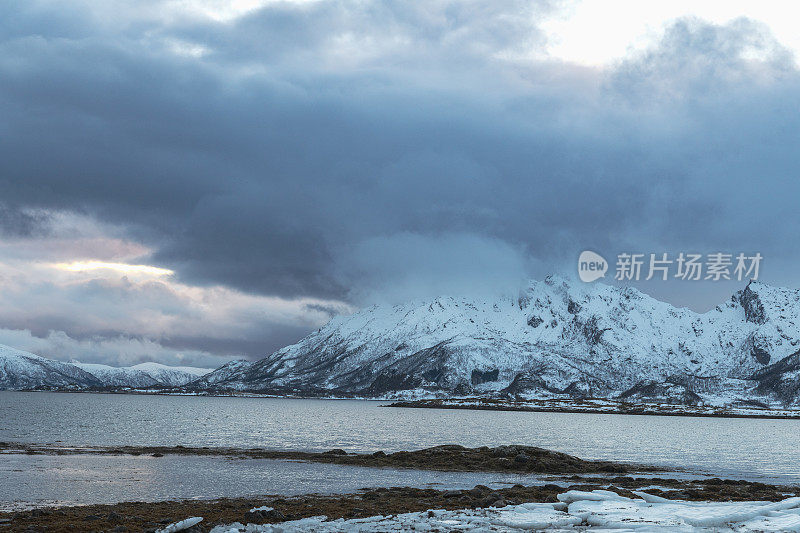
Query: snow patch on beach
{"type": "Point", "coordinates": [575, 511]}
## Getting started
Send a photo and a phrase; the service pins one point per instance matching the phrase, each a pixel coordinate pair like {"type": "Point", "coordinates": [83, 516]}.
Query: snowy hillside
{"type": "Point", "coordinates": [143, 375]}
{"type": "Point", "coordinates": [23, 370]}
{"type": "Point", "coordinates": [111, 376]}
{"type": "Point", "coordinates": [554, 339]}
{"type": "Point", "coordinates": [174, 376]}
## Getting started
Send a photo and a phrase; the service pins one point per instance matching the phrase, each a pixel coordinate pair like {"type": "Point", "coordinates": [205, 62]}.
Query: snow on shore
{"type": "Point", "coordinates": [576, 511]}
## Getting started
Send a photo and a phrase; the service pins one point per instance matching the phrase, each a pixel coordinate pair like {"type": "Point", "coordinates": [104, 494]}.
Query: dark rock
{"type": "Point", "coordinates": [780, 378]}
{"type": "Point", "coordinates": [591, 331]}
{"type": "Point", "coordinates": [479, 490]}
{"type": "Point", "coordinates": [335, 451]}
{"type": "Point", "coordinates": [751, 303]}
{"type": "Point", "coordinates": [491, 500]}
{"type": "Point", "coordinates": [760, 355]}
{"type": "Point", "coordinates": [114, 518]}
{"type": "Point", "coordinates": [484, 376]}
{"type": "Point", "coordinates": [535, 321]}
{"type": "Point", "coordinates": [521, 458]}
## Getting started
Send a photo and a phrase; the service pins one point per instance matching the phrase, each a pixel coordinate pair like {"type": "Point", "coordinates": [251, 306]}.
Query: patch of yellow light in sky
{"type": "Point", "coordinates": [82, 266]}
{"type": "Point", "coordinates": [599, 32]}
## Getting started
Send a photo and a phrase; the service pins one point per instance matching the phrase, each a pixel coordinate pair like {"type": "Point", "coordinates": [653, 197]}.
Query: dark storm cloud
{"type": "Point", "coordinates": [310, 150]}
{"type": "Point", "coordinates": [15, 222]}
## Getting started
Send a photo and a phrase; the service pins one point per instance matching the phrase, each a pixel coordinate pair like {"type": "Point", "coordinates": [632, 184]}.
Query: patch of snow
{"type": "Point", "coordinates": [577, 511]}
{"type": "Point", "coordinates": [182, 525]}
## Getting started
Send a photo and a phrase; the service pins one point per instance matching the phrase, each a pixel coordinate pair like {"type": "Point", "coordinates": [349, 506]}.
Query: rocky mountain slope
{"type": "Point", "coordinates": [23, 370]}
{"type": "Point", "coordinates": [556, 339]}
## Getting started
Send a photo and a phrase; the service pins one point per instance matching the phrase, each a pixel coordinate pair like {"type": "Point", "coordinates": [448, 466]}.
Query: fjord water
{"type": "Point", "coordinates": [734, 447]}
{"type": "Point", "coordinates": [46, 480]}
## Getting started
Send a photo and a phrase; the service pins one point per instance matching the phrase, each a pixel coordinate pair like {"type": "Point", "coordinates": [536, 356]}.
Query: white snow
{"type": "Point", "coordinates": [143, 375]}
{"type": "Point", "coordinates": [576, 511]}
{"type": "Point", "coordinates": [602, 338]}
{"type": "Point", "coordinates": [112, 376]}
{"type": "Point", "coordinates": [153, 367]}
{"type": "Point", "coordinates": [182, 525]}
{"type": "Point", "coordinates": [23, 370]}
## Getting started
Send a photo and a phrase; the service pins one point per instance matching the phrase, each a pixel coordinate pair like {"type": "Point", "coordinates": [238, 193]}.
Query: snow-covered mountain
{"type": "Point", "coordinates": [23, 370]}
{"type": "Point", "coordinates": [174, 376]}
{"type": "Point", "coordinates": [554, 339]}
{"type": "Point", "coordinates": [143, 375]}
{"type": "Point", "coordinates": [111, 376]}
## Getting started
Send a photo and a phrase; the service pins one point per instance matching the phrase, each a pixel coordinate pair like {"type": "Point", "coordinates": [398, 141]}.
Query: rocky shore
{"type": "Point", "coordinates": [150, 517]}
{"type": "Point", "coordinates": [562, 472]}
{"type": "Point", "coordinates": [450, 458]}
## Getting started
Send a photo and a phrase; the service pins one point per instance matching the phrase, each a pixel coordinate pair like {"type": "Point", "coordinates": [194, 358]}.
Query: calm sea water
{"type": "Point", "coordinates": [767, 450]}
{"type": "Point", "coordinates": [45, 480]}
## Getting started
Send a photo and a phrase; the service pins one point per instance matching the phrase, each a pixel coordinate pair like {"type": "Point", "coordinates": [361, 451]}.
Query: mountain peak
{"type": "Point", "coordinates": [557, 337]}
{"type": "Point", "coordinates": [23, 370]}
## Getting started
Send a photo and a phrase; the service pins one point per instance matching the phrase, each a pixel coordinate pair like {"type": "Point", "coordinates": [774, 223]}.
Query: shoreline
{"type": "Point", "coordinates": [566, 406]}
{"type": "Point", "coordinates": [445, 458]}
{"type": "Point", "coordinates": [150, 516]}
{"type": "Point", "coordinates": [562, 473]}
{"type": "Point", "coordinates": [602, 407]}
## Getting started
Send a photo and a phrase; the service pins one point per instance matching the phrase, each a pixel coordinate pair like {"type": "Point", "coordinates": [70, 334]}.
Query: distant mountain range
{"type": "Point", "coordinates": [23, 370]}
{"type": "Point", "coordinates": [554, 340]}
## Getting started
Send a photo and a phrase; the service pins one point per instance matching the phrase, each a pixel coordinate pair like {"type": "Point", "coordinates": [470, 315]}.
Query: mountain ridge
{"type": "Point", "coordinates": [20, 370]}
{"type": "Point", "coordinates": [556, 339]}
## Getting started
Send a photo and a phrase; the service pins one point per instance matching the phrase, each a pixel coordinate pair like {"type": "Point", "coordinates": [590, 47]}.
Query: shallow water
{"type": "Point", "coordinates": [766, 450]}
{"type": "Point", "coordinates": [44, 480]}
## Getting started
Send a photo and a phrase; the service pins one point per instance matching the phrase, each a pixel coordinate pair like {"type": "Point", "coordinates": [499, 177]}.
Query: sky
{"type": "Point", "coordinates": [191, 181]}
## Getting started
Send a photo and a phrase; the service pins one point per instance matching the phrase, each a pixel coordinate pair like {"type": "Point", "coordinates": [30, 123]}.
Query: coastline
{"type": "Point", "coordinates": [446, 458]}
{"type": "Point", "coordinates": [598, 406]}
{"type": "Point", "coordinates": [557, 405]}
{"type": "Point", "coordinates": [152, 516]}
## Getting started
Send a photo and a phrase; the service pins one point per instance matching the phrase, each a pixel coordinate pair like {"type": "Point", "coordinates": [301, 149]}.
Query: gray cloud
{"type": "Point", "coordinates": [359, 152]}
{"type": "Point", "coordinates": [15, 222]}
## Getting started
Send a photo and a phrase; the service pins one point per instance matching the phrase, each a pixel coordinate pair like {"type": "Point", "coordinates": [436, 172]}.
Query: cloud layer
{"type": "Point", "coordinates": [314, 156]}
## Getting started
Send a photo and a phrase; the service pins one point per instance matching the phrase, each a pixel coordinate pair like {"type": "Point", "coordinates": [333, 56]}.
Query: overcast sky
{"type": "Point", "coordinates": [190, 181]}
